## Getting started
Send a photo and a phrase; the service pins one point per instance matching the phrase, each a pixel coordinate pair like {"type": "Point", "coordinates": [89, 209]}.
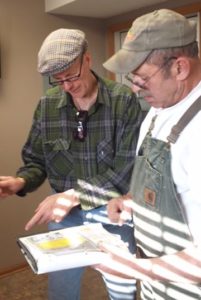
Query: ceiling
{"type": "Point", "coordinates": [96, 8]}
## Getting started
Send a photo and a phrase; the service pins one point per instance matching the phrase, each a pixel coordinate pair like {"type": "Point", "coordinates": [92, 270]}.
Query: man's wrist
{"type": "Point", "coordinates": [74, 196]}
{"type": "Point", "coordinates": [76, 201]}
{"type": "Point", "coordinates": [21, 184]}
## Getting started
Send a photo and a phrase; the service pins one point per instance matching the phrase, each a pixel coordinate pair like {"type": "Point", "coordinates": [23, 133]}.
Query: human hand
{"type": "Point", "coordinates": [10, 185]}
{"type": "Point", "coordinates": [120, 209]}
{"type": "Point", "coordinates": [182, 267]}
{"type": "Point", "coordinates": [54, 208]}
{"type": "Point", "coordinates": [118, 262]}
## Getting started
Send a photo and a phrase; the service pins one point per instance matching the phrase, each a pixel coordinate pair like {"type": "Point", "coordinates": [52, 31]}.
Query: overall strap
{"type": "Point", "coordinates": [184, 120]}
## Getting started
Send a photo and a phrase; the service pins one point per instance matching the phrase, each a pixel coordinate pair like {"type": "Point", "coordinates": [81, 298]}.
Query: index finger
{"type": "Point", "coordinates": [3, 181]}
{"type": "Point", "coordinates": [4, 178]}
{"type": "Point", "coordinates": [33, 221]}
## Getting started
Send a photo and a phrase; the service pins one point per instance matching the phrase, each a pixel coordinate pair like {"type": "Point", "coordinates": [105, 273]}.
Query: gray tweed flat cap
{"type": "Point", "coordinates": [60, 49]}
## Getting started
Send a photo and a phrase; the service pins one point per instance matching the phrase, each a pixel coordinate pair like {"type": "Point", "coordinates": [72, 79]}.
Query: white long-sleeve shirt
{"type": "Point", "coordinates": [186, 155]}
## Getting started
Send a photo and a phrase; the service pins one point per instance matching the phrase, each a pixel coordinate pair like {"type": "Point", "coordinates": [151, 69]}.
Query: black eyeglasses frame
{"type": "Point", "coordinates": [70, 79]}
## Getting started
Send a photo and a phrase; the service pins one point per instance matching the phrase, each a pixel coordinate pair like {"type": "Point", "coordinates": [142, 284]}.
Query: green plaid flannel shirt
{"type": "Point", "coordinates": [100, 167]}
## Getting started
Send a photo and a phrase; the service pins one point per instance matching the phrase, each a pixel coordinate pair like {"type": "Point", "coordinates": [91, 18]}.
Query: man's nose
{"type": "Point", "coordinates": [67, 85]}
{"type": "Point", "coordinates": [135, 88]}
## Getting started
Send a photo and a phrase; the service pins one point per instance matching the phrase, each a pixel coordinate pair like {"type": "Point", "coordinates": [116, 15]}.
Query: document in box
{"type": "Point", "coordinates": [67, 248]}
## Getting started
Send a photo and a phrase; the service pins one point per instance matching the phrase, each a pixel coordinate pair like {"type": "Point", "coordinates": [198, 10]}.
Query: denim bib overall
{"type": "Point", "coordinates": [160, 222]}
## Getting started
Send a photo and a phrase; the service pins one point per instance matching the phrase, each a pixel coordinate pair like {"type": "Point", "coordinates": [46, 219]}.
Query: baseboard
{"type": "Point", "coordinates": [8, 271]}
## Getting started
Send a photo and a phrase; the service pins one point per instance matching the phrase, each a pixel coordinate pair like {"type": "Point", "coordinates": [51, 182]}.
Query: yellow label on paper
{"type": "Point", "coordinates": [54, 244]}
{"type": "Point", "coordinates": [60, 243]}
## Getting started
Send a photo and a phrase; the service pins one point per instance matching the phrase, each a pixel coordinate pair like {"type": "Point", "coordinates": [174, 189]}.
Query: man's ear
{"type": "Point", "coordinates": [182, 68]}
{"type": "Point", "coordinates": [88, 59]}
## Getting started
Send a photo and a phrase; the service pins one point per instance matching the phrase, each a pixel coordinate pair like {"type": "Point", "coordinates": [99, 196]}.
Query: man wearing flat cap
{"type": "Point", "coordinates": [83, 139]}
{"type": "Point", "coordinates": [160, 57]}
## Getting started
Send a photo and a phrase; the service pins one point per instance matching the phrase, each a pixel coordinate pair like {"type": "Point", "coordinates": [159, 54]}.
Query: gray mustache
{"type": "Point", "coordinates": [143, 93]}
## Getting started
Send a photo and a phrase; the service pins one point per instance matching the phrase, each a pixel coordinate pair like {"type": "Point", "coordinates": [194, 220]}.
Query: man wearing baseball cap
{"type": "Point", "coordinates": [83, 140]}
{"type": "Point", "coordinates": [160, 57]}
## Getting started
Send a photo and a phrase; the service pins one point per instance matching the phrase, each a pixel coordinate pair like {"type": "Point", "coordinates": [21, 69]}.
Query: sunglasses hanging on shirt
{"type": "Point", "coordinates": [80, 132]}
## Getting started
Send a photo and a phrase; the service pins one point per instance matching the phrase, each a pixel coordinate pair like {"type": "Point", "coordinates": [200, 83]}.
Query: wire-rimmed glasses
{"type": "Point", "coordinates": [131, 77]}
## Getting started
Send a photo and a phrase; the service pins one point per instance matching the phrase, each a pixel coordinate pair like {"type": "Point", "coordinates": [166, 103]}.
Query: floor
{"type": "Point", "coordinates": [25, 285]}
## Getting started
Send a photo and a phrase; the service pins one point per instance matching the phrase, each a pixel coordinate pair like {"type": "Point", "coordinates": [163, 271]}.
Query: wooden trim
{"type": "Point", "coordinates": [110, 40]}
{"type": "Point", "coordinates": [8, 271]}
{"type": "Point", "coordinates": [199, 14]}
{"type": "Point", "coordinates": [185, 10]}
{"type": "Point", "coordinates": [189, 9]}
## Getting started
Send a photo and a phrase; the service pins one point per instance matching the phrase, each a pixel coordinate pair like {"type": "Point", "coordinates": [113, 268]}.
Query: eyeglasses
{"type": "Point", "coordinates": [80, 132]}
{"type": "Point", "coordinates": [131, 77]}
{"type": "Point", "coordinates": [70, 79]}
